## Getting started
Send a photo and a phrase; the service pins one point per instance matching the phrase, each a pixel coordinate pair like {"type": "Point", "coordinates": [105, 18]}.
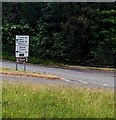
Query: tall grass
{"type": "Point", "coordinates": [34, 60]}
{"type": "Point", "coordinates": [8, 56]}
{"type": "Point", "coordinates": [29, 100]}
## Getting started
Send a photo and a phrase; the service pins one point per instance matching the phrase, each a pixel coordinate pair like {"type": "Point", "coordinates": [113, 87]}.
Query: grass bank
{"type": "Point", "coordinates": [34, 60]}
{"type": "Point", "coordinates": [8, 71]}
{"type": "Point", "coordinates": [29, 100]}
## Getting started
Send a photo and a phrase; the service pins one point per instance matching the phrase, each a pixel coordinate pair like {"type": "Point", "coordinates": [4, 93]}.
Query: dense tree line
{"type": "Point", "coordinates": [70, 33]}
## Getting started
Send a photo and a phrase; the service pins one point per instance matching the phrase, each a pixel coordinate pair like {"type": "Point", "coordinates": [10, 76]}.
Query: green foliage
{"type": "Point", "coordinates": [70, 33]}
{"type": "Point", "coordinates": [8, 56]}
{"type": "Point", "coordinates": [9, 34]}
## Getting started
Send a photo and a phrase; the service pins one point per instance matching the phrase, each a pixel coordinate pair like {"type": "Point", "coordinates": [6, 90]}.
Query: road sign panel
{"type": "Point", "coordinates": [22, 46]}
{"type": "Point", "coordinates": [22, 40]}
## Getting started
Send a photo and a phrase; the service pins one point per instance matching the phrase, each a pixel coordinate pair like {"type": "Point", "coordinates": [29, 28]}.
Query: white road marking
{"type": "Point", "coordinates": [82, 82]}
{"type": "Point", "coordinates": [76, 81]}
{"type": "Point", "coordinates": [67, 80]}
{"type": "Point", "coordinates": [105, 85]}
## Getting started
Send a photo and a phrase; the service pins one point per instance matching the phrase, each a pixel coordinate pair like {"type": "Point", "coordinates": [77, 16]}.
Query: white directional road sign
{"type": "Point", "coordinates": [22, 46]}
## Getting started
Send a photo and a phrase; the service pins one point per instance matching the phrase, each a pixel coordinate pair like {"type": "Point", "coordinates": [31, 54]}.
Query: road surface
{"type": "Point", "coordinates": [74, 77]}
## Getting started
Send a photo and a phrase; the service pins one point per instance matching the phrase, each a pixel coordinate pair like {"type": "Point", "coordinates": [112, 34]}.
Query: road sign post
{"type": "Point", "coordinates": [16, 64]}
{"type": "Point", "coordinates": [24, 66]}
{"type": "Point", "coordinates": [22, 50]}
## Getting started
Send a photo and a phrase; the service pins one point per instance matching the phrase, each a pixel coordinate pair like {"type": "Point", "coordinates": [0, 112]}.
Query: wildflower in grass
{"type": "Point", "coordinates": [24, 94]}
{"type": "Point", "coordinates": [62, 92]}
{"type": "Point", "coordinates": [34, 89]}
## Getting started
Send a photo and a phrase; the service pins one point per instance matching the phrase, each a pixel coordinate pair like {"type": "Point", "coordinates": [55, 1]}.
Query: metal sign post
{"type": "Point", "coordinates": [24, 66]}
{"type": "Point", "coordinates": [16, 64]}
{"type": "Point", "coordinates": [22, 50]}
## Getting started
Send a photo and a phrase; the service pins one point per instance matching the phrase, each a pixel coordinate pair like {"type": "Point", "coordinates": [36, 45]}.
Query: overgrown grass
{"type": "Point", "coordinates": [29, 100]}
{"type": "Point", "coordinates": [8, 56]}
{"type": "Point", "coordinates": [34, 60]}
{"type": "Point", "coordinates": [0, 54]}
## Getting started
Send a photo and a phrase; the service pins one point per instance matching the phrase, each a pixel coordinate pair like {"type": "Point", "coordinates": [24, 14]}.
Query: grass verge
{"type": "Point", "coordinates": [34, 60]}
{"type": "Point", "coordinates": [29, 100]}
{"type": "Point", "coordinates": [8, 71]}
{"type": "Point", "coordinates": [89, 68]}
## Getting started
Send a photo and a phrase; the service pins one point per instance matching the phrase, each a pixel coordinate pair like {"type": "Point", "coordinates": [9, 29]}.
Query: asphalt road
{"type": "Point", "coordinates": [74, 77]}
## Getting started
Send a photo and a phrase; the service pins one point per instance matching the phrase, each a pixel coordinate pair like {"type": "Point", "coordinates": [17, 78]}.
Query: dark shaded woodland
{"type": "Point", "coordinates": [68, 33]}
